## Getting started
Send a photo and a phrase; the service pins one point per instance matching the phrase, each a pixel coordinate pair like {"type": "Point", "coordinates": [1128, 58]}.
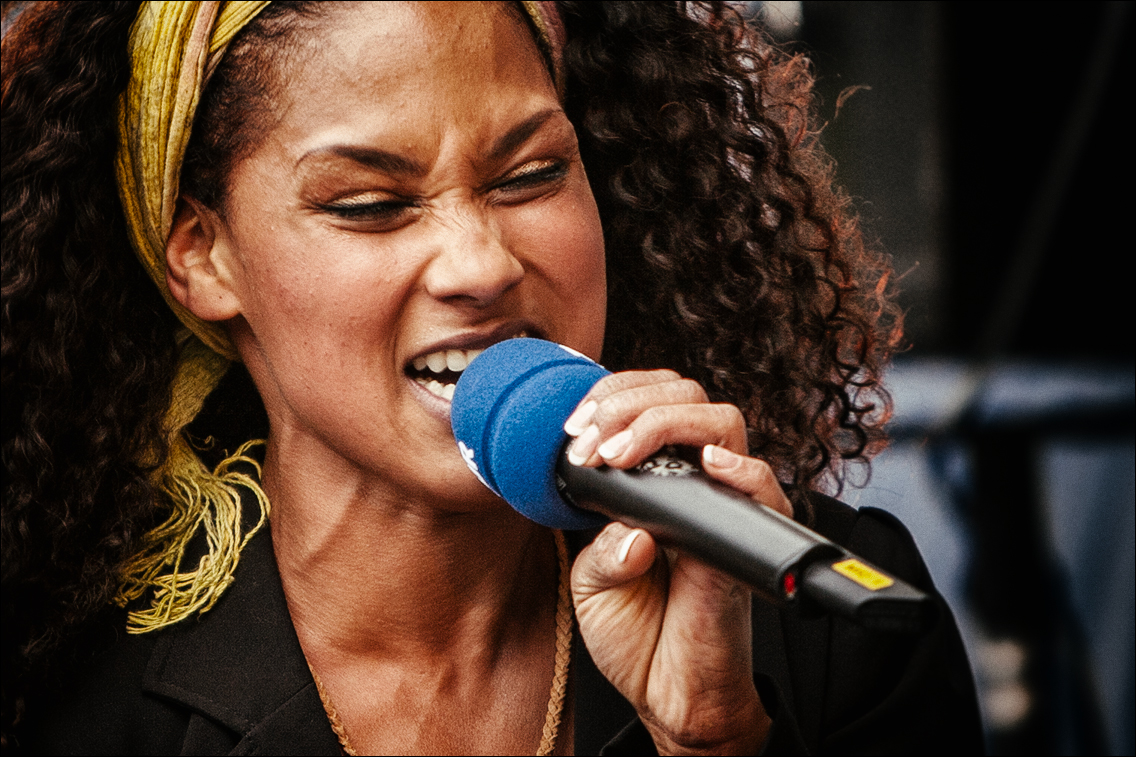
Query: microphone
{"type": "Point", "coordinates": [508, 414]}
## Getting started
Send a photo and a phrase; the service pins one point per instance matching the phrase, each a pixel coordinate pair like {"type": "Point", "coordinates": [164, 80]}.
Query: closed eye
{"type": "Point", "coordinates": [532, 180]}
{"type": "Point", "coordinates": [385, 213]}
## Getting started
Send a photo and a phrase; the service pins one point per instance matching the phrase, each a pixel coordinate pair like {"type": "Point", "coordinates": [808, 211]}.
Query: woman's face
{"type": "Point", "coordinates": [420, 195]}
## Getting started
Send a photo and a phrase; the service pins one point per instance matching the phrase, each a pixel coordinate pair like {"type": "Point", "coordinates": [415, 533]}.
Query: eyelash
{"type": "Point", "coordinates": [388, 209]}
{"type": "Point", "coordinates": [368, 210]}
{"type": "Point", "coordinates": [554, 171]}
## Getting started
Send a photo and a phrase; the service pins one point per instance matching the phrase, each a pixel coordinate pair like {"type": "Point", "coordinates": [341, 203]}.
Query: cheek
{"type": "Point", "coordinates": [564, 248]}
{"type": "Point", "coordinates": [321, 341]}
{"type": "Point", "coordinates": [307, 300]}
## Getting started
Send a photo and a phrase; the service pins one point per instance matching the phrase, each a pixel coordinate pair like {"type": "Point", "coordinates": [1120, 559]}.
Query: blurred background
{"type": "Point", "coordinates": [989, 148]}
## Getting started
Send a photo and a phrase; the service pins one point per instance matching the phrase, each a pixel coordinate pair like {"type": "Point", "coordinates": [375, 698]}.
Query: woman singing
{"type": "Point", "coordinates": [248, 249]}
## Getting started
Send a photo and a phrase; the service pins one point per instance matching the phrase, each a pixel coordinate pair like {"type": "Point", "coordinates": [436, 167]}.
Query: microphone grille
{"type": "Point", "coordinates": [508, 415]}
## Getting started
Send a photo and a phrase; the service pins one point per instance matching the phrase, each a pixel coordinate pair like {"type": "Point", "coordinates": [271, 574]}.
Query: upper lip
{"type": "Point", "coordinates": [478, 339]}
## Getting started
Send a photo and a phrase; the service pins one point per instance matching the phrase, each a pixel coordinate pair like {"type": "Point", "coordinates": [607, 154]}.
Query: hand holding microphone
{"type": "Point", "coordinates": [684, 626]}
{"type": "Point", "coordinates": [508, 415]}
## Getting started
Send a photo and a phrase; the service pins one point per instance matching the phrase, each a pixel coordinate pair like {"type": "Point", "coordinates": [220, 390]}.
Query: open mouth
{"type": "Point", "coordinates": [439, 371]}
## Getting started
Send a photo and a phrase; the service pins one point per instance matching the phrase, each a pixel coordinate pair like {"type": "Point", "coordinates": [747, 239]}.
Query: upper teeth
{"type": "Point", "coordinates": [454, 361]}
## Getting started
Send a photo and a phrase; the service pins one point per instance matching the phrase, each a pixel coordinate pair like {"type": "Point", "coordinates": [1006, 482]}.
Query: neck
{"type": "Point", "coordinates": [372, 575]}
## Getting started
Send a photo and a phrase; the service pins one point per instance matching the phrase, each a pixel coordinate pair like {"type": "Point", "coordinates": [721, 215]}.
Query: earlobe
{"type": "Point", "coordinates": [197, 263]}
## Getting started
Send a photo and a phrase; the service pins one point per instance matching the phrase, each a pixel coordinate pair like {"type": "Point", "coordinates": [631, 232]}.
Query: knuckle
{"type": "Point", "coordinates": [612, 409]}
{"type": "Point", "coordinates": [588, 567]}
{"type": "Point", "coordinates": [762, 467]}
{"type": "Point", "coordinates": [762, 470]}
{"type": "Point", "coordinates": [731, 412]}
{"type": "Point", "coordinates": [657, 415]}
{"type": "Point", "coordinates": [731, 417]}
{"type": "Point", "coordinates": [692, 390]}
{"type": "Point", "coordinates": [632, 379]}
{"type": "Point", "coordinates": [604, 387]}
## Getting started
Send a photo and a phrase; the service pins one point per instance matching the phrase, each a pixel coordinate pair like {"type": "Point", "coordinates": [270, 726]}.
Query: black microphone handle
{"type": "Point", "coordinates": [782, 561]}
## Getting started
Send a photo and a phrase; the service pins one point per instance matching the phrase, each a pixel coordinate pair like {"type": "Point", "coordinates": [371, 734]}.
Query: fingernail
{"type": "Point", "coordinates": [625, 547]}
{"type": "Point", "coordinates": [719, 457]}
{"type": "Point", "coordinates": [578, 421]}
{"type": "Point", "coordinates": [584, 445]}
{"type": "Point", "coordinates": [615, 445]}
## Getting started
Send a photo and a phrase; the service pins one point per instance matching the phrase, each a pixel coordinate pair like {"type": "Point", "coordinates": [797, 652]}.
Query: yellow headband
{"type": "Point", "coordinates": [172, 45]}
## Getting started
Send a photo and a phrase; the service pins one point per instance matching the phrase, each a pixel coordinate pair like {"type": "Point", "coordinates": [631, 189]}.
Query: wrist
{"type": "Point", "coordinates": [743, 731]}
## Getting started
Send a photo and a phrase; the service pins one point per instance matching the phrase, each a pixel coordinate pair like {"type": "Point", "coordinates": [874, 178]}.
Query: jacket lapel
{"type": "Point", "coordinates": [241, 665]}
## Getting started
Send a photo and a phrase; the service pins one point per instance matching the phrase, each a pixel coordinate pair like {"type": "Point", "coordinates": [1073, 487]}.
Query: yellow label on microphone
{"type": "Point", "coordinates": [867, 577]}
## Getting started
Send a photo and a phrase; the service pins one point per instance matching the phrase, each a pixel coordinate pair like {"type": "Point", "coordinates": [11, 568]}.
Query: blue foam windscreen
{"type": "Point", "coordinates": [508, 415]}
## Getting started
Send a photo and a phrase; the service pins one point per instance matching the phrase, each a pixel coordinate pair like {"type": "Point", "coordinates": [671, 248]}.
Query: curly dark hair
{"type": "Point", "coordinates": [88, 347]}
{"type": "Point", "coordinates": [732, 259]}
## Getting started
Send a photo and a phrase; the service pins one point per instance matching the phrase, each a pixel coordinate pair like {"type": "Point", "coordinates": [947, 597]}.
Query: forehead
{"type": "Point", "coordinates": [379, 63]}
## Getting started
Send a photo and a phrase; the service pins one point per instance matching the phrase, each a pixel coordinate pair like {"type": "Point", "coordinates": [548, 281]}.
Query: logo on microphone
{"type": "Point", "coordinates": [467, 455]}
{"type": "Point", "coordinates": [667, 464]}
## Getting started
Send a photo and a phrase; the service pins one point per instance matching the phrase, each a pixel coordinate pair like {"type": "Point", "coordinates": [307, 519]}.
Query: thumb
{"type": "Point", "coordinates": [620, 554]}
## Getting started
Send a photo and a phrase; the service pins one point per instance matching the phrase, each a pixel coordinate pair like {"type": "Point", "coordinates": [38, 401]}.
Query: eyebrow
{"type": "Point", "coordinates": [371, 157]}
{"type": "Point", "coordinates": [519, 134]}
{"type": "Point", "coordinates": [389, 162]}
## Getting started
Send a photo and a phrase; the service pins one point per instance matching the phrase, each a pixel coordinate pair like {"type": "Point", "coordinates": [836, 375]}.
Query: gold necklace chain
{"type": "Point", "coordinates": [559, 676]}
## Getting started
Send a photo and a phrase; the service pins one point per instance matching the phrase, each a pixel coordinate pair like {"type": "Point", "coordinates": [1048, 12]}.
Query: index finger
{"type": "Point", "coordinates": [613, 384]}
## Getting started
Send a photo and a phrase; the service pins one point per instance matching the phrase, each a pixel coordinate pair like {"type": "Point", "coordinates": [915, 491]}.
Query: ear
{"type": "Point", "coordinates": [199, 263]}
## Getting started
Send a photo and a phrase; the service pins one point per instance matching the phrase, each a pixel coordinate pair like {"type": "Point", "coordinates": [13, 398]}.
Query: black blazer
{"type": "Point", "coordinates": [235, 681]}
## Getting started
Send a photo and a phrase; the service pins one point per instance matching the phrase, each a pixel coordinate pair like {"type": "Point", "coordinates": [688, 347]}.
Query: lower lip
{"type": "Point", "coordinates": [435, 405]}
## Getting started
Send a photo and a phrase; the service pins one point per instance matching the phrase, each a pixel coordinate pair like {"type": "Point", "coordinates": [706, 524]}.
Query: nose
{"type": "Point", "coordinates": [473, 265]}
